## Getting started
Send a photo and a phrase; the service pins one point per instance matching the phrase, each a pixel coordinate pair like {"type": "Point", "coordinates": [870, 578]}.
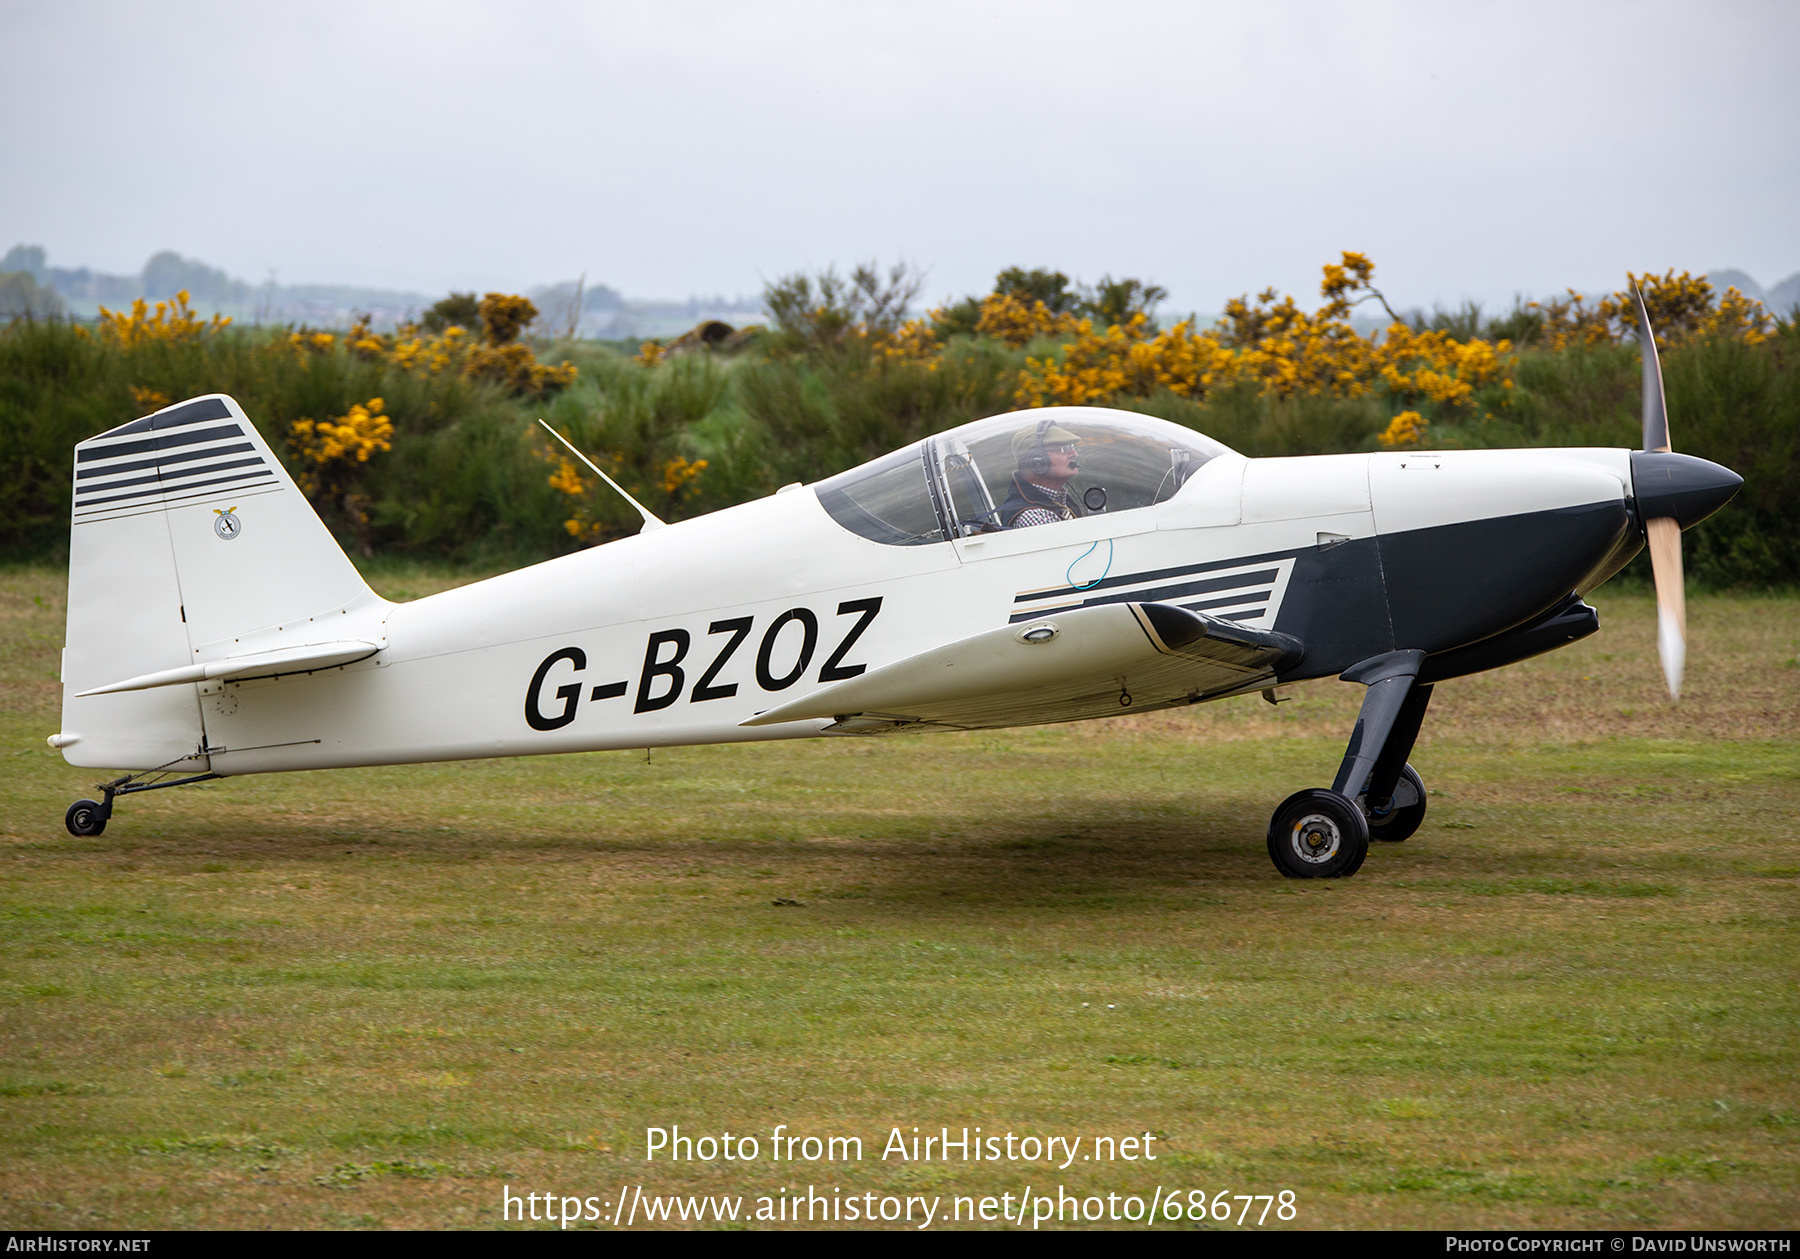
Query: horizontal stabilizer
{"type": "Point", "coordinates": [1087, 662]}
{"type": "Point", "coordinates": [261, 664]}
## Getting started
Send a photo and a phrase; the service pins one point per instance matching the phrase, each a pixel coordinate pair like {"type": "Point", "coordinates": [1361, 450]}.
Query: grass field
{"type": "Point", "coordinates": [372, 998]}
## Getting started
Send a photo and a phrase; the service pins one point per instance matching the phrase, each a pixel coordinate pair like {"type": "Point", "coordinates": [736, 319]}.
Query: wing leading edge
{"type": "Point", "coordinates": [1089, 662]}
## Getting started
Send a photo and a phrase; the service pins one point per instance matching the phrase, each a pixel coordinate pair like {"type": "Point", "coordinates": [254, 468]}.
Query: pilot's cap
{"type": "Point", "coordinates": [1026, 439]}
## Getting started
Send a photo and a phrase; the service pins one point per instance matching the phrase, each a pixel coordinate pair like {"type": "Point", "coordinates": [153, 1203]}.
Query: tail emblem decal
{"type": "Point", "coordinates": [226, 524]}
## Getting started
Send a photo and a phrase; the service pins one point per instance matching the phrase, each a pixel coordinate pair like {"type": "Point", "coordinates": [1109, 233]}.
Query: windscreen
{"type": "Point", "coordinates": [886, 501]}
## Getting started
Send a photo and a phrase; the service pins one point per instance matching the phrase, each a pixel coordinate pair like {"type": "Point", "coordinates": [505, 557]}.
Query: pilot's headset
{"type": "Point", "coordinates": [1037, 459]}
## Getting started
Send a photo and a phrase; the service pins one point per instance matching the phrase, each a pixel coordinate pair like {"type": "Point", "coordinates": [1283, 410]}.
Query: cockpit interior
{"type": "Point", "coordinates": [957, 483]}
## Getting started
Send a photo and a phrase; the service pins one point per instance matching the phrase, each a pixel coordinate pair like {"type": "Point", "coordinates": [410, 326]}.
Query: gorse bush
{"type": "Point", "coordinates": [454, 482]}
{"type": "Point", "coordinates": [424, 440]}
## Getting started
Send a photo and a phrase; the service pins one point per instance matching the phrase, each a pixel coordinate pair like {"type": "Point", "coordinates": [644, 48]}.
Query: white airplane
{"type": "Point", "coordinates": [1048, 565]}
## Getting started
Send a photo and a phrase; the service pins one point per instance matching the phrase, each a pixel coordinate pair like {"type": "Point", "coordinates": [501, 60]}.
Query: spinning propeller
{"type": "Point", "coordinates": [1674, 492]}
{"type": "Point", "coordinates": [1662, 532]}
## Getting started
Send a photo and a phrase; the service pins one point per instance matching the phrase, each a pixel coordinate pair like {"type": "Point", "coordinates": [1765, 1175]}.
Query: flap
{"type": "Point", "coordinates": [1086, 662]}
{"type": "Point", "coordinates": [262, 664]}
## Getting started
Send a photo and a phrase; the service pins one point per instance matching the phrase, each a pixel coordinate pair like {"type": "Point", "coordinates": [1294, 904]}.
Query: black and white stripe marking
{"type": "Point", "coordinates": [173, 456]}
{"type": "Point", "coordinates": [1246, 591]}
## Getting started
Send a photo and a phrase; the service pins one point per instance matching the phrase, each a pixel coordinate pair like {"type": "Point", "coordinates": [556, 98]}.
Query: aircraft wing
{"type": "Point", "coordinates": [1090, 662]}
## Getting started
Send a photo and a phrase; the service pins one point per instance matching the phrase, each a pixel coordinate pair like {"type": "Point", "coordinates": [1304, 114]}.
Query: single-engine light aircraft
{"type": "Point", "coordinates": [1043, 566]}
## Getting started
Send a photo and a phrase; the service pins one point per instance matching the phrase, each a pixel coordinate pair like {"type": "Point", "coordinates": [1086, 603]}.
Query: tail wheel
{"type": "Point", "coordinates": [1318, 834]}
{"type": "Point", "coordinates": [85, 817]}
{"type": "Point", "coordinates": [1402, 814]}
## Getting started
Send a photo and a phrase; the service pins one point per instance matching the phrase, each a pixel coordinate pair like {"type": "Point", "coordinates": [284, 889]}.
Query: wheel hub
{"type": "Point", "coordinates": [1316, 839]}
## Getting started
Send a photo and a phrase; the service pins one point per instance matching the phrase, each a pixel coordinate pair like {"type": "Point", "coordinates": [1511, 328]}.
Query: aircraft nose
{"type": "Point", "coordinates": [1684, 487]}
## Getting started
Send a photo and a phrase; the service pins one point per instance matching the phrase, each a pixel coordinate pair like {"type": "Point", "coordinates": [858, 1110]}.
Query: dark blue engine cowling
{"type": "Point", "coordinates": [1436, 589]}
{"type": "Point", "coordinates": [1458, 584]}
{"type": "Point", "coordinates": [1443, 587]}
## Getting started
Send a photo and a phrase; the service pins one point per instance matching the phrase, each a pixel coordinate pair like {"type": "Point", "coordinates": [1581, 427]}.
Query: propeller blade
{"type": "Point", "coordinates": [1671, 602]}
{"type": "Point", "coordinates": [1656, 415]}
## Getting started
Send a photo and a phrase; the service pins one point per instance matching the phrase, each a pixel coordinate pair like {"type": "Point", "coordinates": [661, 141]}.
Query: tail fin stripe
{"type": "Point", "coordinates": [176, 417]}
{"type": "Point", "coordinates": [119, 485]}
{"type": "Point", "coordinates": [175, 489]}
{"type": "Point", "coordinates": [196, 485]}
{"type": "Point", "coordinates": [162, 461]}
{"type": "Point", "coordinates": [156, 443]}
{"type": "Point", "coordinates": [125, 511]}
{"type": "Point", "coordinates": [169, 476]}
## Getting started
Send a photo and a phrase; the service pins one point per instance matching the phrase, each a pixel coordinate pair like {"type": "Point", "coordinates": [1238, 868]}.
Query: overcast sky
{"type": "Point", "coordinates": [1472, 149]}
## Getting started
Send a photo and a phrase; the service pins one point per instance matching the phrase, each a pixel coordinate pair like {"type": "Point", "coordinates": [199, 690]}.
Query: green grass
{"type": "Point", "coordinates": [371, 998]}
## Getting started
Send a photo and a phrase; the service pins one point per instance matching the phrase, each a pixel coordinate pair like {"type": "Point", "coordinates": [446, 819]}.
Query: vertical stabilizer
{"type": "Point", "coordinates": [188, 543]}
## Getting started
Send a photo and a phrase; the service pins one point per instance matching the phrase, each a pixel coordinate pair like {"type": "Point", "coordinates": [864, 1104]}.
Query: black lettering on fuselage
{"type": "Point", "coordinates": [655, 667]}
{"type": "Point", "coordinates": [570, 695]}
{"type": "Point", "coordinates": [739, 629]}
{"type": "Point", "coordinates": [667, 649]}
{"type": "Point", "coordinates": [835, 670]}
{"type": "Point", "coordinates": [810, 625]}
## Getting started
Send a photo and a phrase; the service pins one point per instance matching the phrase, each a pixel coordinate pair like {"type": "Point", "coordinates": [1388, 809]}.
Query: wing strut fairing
{"type": "Point", "coordinates": [1089, 662]}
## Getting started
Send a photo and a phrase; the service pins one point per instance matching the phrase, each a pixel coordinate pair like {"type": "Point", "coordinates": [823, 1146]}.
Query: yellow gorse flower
{"type": "Point", "coordinates": [317, 342]}
{"type": "Point", "coordinates": [677, 478]}
{"type": "Point", "coordinates": [1272, 343]}
{"type": "Point", "coordinates": [503, 359]}
{"type": "Point", "coordinates": [567, 478]}
{"type": "Point", "coordinates": [147, 400]}
{"type": "Point", "coordinates": [174, 321]}
{"type": "Point", "coordinates": [1286, 351]}
{"type": "Point", "coordinates": [677, 473]}
{"type": "Point", "coordinates": [516, 367]}
{"type": "Point", "coordinates": [1406, 429]}
{"type": "Point", "coordinates": [332, 445]}
{"type": "Point", "coordinates": [915, 341]}
{"type": "Point", "coordinates": [1008, 318]}
{"type": "Point", "coordinates": [1682, 307]}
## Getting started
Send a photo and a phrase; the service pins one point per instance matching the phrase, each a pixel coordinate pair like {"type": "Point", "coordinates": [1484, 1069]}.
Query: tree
{"type": "Point", "coordinates": [168, 273]}
{"type": "Point", "coordinates": [22, 297]}
{"type": "Point", "coordinates": [1052, 288]}
{"type": "Point", "coordinates": [1116, 301]}
{"type": "Point", "coordinates": [463, 310]}
{"type": "Point", "coordinates": [26, 258]}
{"type": "Point", "coordinates": [823, 309]}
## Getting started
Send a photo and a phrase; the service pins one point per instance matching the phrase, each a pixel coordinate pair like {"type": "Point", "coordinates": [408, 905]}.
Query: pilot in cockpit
{"type": "Point", "coordinates": [1046, 457]}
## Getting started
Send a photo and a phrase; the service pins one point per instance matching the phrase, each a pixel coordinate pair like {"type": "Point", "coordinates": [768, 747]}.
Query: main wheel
{"type": "Point", "coordinates": [1318, 834]}
{"type": "Point", "coordinates": [1404, 812]}
{"type": "Point", "coordinates": [85, 817]}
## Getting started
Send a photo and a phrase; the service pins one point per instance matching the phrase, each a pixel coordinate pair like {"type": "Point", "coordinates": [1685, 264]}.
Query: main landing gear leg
{"type": "Point", "coordinates": [89, 817]}
{"type": "Point", "coordinates": [1320, 834]}
{"type": "Point", "coordinates": [1394, 800]}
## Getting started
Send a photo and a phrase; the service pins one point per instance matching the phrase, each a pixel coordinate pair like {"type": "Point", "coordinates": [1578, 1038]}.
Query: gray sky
{"type": "Point", "coordinates": [1472, 149]}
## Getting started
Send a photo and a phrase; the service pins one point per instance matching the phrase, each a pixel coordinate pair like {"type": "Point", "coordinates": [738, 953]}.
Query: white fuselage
{"type": "Point", "coordinates": [678, 636]}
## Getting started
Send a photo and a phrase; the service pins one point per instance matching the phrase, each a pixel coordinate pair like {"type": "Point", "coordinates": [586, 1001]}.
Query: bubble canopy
{"type": "Point", "coordinates": [956, 483]}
